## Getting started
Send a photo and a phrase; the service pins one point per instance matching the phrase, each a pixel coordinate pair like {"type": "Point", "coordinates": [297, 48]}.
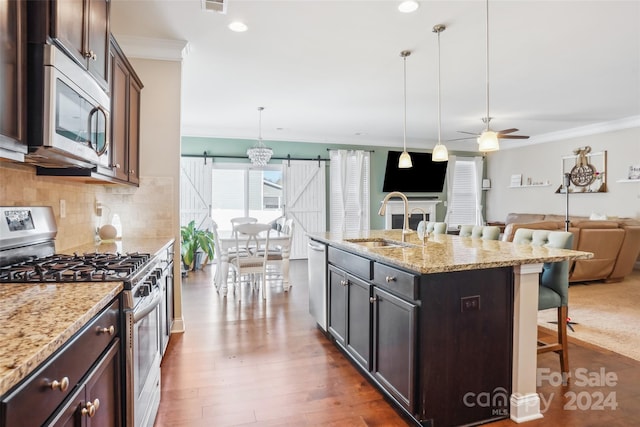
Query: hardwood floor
{"type": "Point", "coordinates": [257, 363]}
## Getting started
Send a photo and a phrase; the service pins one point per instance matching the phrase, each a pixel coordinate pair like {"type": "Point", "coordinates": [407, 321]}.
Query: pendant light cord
{"type": "Point", "coordinates": [439, 101]}
{"type": "Point", "coordinates": [487, 65]}
{"type": "Point", "coordinates": [404, 126]}
{"type": "Point", "coordinates": [260, 124]}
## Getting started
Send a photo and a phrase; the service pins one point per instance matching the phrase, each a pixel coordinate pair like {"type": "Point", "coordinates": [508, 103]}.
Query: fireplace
{"type": "Point", "coordinates": [394, 215]}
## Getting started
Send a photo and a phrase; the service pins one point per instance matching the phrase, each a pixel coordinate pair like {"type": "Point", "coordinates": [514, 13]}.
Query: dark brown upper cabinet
{"type": "Point", "coordinates": [125, 117]}
{"type": "Point", "coordinates": [12, 79]}
{"type": "Point", "coordinates": [80, 27]}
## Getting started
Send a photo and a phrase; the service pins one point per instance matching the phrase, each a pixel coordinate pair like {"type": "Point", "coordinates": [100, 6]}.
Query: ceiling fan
{"type": "Point", "coordinates": [488, 139]}
{"type": "Point", "coordinates": [501, 134]}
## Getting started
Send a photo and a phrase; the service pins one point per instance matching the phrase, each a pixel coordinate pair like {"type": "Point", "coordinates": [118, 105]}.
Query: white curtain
{"type": "Point", "coordinates": [479, 165]}
{"type": "Point", "coordinates": [451, 171]}
{"type": "Point", "coordinates": [349, 190]}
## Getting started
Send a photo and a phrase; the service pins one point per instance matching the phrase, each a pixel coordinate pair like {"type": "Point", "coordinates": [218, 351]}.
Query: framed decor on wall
{"type": "Point", "coordinates": [587, 170]}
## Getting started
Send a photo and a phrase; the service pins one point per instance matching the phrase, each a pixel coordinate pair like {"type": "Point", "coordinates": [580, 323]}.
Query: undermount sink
{"type": "Point", "coordinates": [377, 243]}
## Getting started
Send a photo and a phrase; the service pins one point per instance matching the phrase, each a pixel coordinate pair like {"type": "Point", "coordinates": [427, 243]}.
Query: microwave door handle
{"type": "Point", "coordinates": [93, 135]}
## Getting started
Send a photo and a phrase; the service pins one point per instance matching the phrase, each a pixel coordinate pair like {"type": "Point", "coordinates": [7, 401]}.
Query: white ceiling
{"type": "Point", "coordinates": [330, 71]}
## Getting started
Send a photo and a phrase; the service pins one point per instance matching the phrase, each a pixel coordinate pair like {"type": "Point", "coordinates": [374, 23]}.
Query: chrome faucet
{"type": "Point", "coordinates": [407, 214]}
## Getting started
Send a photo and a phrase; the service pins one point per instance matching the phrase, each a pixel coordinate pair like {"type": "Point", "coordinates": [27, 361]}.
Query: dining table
{"type": "Point", "coordinates": [227, 240]}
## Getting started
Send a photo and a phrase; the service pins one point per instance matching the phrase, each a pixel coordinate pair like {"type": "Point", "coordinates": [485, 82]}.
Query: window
{"type": "Point", "coordinates": [463, 205]}
{"type": "Point", "coordinates": [239, 190]}
{"type": "Point", "coordinates": [349, 190]}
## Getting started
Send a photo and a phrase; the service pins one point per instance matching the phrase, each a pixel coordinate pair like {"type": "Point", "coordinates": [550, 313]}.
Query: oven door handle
{"type": "Point", "coordinates": [144, 311]}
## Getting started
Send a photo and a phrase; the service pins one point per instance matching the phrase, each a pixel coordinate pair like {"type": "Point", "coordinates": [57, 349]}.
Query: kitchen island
{"type": "Point", "coordinates": [445, 328]}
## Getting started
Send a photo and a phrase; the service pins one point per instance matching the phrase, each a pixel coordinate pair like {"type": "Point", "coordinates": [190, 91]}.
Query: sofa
{"type": "Point", "coordinates": [614, 242]}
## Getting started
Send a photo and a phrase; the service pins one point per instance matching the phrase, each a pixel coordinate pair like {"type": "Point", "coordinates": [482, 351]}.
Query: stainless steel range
{"type": "Point", "coordinates": [27, 255]}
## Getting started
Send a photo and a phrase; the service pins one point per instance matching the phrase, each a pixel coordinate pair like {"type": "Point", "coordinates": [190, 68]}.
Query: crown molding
{"type": "Point", "coordinates": [594, 129]}
{"type": "Point", "coordinates": [152, 48]}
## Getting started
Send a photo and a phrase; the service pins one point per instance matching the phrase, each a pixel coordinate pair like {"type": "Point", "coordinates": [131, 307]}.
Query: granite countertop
{"type": "Point", "coordinates": [444, 252]}
{"type": "Point", "coordinates": [37, 319]}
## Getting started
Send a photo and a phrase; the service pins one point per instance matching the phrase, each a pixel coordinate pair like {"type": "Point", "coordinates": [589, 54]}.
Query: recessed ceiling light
{"type": "Point", "coordinates": [238, 27]}
{"type": "Point", "coordinates": [408, 6]}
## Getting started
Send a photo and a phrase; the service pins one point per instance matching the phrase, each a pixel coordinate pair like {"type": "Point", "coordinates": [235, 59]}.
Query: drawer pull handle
{"type": "Point", "coordinates": [110, 330]}
{"type": "Point", "coordinates": [390, 279]}
{"type": "Point", "coordinates": [61, 385]}
{"type": "Point", "coordinates": [91, 55]}
{"type": "Point", "coordinates": [91, 408]}
{"type": "Point", "coordinates": [373, 299]}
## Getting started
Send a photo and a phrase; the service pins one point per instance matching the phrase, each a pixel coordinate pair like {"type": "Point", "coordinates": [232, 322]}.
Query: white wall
{"type": "Point", "coordinates": [160, 148]}
{"type": "Point", "coordinates": [542, 162]}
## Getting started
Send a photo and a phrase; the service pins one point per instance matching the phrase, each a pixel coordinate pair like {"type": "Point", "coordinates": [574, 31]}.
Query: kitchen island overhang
{"type": "Point", "coordinates": [450, 254]}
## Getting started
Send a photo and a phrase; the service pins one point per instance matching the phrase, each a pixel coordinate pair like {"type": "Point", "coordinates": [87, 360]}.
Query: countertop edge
{"type": "Point", "coordinates": [33, 362]}
{"type": "Point", "coordinates": [398, 256]}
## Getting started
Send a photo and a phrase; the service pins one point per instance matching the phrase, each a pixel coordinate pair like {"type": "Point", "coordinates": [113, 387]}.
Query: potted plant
{"type": "Point", "coordinates": [195, 243]}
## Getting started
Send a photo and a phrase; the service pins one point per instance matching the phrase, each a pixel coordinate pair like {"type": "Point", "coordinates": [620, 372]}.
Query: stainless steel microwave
{"type": "Point", "coordinates": [69, 114]}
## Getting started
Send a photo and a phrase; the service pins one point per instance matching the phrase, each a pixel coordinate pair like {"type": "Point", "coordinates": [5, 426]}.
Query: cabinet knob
{"type": "Point", "coordinates": [390, 279]}
{"type": "Point", "coordinates": [90, 408]}
{"type": "Point", "coordinates": [344, 282]}
{"type": "Point", "coordinates": [373, 299]}
{"type": "Point", "coordinates": [110, 330]}
{"type": "Point", "coordinates": [91, 55]}
{"type": "Point", "coordinates": [61, 385]}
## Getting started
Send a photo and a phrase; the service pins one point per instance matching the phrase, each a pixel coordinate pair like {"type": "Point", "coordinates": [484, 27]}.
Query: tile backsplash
{"type": "Point", "coordinates": [144, 211]}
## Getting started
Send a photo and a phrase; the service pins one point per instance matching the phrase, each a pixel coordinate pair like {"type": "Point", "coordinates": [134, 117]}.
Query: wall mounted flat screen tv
{"type": "Point", "coordinates": [426, 176]}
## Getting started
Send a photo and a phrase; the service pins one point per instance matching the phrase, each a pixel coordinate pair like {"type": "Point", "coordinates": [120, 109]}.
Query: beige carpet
{"type": "Point", "coordinates": [608, 315]}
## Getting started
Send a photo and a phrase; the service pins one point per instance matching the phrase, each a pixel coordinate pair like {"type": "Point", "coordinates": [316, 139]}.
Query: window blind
{"type": "Point", "coordinates": [463, 209]}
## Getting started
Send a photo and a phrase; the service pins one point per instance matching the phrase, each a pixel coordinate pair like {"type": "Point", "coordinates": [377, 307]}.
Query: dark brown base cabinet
{"type": "Point", "coordinates": [437, 345]}
{"type": "Point", "coordinates": [97, 402]}
{"type": "Point", "coordinates": [90, 367]}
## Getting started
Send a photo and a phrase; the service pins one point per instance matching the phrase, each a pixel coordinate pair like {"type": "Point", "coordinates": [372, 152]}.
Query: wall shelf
{"type": "Point", "coordinates": [628, 180]}
{"type": "Point", "coordinates": [530, 185]}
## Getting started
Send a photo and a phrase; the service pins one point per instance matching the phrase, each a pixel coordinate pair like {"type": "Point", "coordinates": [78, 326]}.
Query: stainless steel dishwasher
{"type": "Point", "coordinates": [317, 266]}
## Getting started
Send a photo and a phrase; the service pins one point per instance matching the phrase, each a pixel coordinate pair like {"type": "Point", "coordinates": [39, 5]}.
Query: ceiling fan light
{"type": "Point", "coordinates": [488, 141]}
{"type": "Point", "coordinates": [440, 153]}
{"type": "Point", "coordinates": [404, 162]}
{"type": "Point", "coordinates": [408, 6]}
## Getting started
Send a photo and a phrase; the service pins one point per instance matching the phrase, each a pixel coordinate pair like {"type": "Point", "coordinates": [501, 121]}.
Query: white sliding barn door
{"type": "Point", "coordinates": [195, 190]}
{"type": "Point", "coordinates": [304, 200]}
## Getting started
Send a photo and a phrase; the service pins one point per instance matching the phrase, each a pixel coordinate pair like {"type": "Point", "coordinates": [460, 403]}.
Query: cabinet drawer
{"type": "Point", "coordinates": [35, 400]}
{"type": "Point", "coordinates": [350, 263]}
{"type": "Point", "coordinates": [398, 281]}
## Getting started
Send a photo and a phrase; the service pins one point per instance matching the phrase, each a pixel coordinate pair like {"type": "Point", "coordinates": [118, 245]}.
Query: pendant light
{"type": "Point", "coordinates": [488, 140]}
{"type": "Point", "coordinates": [259, 154]}
{"type": "Point", "coordinates": [404, 162]}
{"type": "Point", "coordinates": [440, 152]}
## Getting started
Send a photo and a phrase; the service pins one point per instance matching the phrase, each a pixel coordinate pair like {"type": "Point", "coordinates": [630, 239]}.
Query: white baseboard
{"type": "Point", "coordinates": [178, 325]}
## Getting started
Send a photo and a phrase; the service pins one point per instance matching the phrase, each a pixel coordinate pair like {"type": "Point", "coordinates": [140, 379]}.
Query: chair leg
{"type": "Point", "coordinates": [563, 313]}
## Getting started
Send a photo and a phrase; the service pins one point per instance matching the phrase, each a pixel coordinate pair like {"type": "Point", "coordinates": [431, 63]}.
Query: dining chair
{"type": "Point", "coordinates": [275, 255]}
{"type": "Point", "coordinates": [242, 220]}
{"type": "Point", "coordinates": [251, 263]}
{"type": "Point", "coordinates": [553, 289]}
{"type": "Point", "coordinates": [486, 232]}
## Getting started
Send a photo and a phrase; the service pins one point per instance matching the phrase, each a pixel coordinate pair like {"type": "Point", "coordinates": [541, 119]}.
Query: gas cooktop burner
{"type": "Point", "coordinates": [90, 267]}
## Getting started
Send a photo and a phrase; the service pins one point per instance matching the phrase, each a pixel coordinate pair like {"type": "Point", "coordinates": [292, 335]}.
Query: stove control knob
{"type": "Point", "coordinates": [146, 289]}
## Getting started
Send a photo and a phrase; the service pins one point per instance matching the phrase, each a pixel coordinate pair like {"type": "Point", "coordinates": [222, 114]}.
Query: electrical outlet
{"type": "Point", "coordinates": [471, 303]}
{"type": "Point", "coordinates": [98, 208]}
{"type": "Point", "coordinates": [63, 208]}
